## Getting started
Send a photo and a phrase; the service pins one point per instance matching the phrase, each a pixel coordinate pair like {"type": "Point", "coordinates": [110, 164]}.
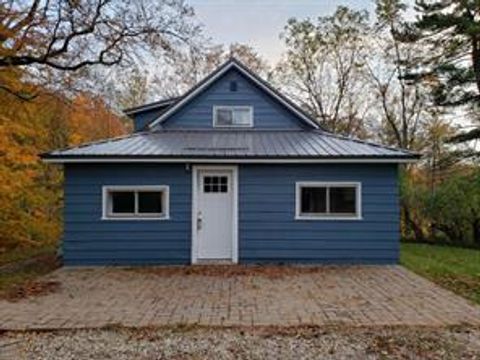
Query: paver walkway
{"type": "Point", "coordinates": [357, 296]}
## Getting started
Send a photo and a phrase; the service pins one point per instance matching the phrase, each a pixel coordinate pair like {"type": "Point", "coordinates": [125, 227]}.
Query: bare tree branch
{"type": "Point", "coordinates": [67, 36]}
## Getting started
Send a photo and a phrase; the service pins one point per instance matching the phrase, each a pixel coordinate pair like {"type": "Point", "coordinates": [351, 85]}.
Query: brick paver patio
{"type": "Point", "coordinates": [357, 296]}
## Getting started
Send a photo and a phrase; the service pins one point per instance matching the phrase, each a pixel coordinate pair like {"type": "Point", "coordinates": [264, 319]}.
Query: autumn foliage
{"type": "Point", "coordinates": [89, 119]}
{"type": "Point", "coordinates": [30, 191]}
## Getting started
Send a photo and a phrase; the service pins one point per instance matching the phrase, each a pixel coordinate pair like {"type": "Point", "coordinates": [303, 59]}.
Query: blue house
{"type": "Point", "coordinates": [232, 171]}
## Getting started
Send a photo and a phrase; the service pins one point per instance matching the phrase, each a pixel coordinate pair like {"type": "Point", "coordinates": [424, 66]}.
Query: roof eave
{"type": "Point", "coordinates": [49, 158]}
{"type": "Point", "coordinates": [151, 106]}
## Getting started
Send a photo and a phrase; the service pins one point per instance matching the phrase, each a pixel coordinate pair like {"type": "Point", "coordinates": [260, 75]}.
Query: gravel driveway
{"type": "Point", "coordinates": [266, 343]}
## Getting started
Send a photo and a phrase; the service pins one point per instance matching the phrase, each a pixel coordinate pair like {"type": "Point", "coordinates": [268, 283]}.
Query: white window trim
{"type": "Point", "coordinates": [233, 107]}
{"type": "Point", "coordinates": [136, 188]}
{"type": "Point", "coordinates": [358, 200]}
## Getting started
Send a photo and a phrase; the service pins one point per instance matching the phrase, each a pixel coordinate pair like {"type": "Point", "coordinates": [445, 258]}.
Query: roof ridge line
{"type": "Point", "coordinates": [250, 130]}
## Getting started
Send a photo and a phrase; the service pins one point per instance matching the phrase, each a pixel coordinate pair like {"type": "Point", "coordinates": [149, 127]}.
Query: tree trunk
{"type": "Point", "coordinates": [476, 61]}
{"type": "Point", "coordinates": [410, 222]}
{"type": "Point", "coordinates": [451, 231]}
{"type": "Point", "coordinates": [476, 231]}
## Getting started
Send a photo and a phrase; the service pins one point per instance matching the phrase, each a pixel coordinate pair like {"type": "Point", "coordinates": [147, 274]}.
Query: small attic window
{"type": "Point", "coordinates": [232, 116]}
{"type": "Point", "coordinates": [233, 86]}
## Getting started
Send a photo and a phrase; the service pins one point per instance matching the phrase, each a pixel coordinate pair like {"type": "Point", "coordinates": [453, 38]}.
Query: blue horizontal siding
{"type": "Point", "coordinates": [89, 240]}
{"type": "Point", "coordinates": [141, 120]}
{"type": "Point", "coordinates": [268, 113]}
{"type": "Point", "coordinates": [124, 226]}
{"type": "Point", "coordinates": [268, 231]}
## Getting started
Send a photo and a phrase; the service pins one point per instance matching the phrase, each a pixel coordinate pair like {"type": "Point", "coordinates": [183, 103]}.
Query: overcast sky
{"type": "Point", "coordinates": [259, 22]}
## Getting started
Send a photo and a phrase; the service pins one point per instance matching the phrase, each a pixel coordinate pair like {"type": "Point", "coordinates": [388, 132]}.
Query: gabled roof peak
{"type": "Point", "coordinates": [167, 101]}
{"type": "Point", "coordinates": [235, 63]}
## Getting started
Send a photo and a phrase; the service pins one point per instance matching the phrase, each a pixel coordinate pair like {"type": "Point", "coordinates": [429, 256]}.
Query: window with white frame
{"type": "Point", "coordinates": [232, 116]}
{"type": "Point", "coordinates": [135, 202]}
{"type": "Point", "coordinates": [328, 200]}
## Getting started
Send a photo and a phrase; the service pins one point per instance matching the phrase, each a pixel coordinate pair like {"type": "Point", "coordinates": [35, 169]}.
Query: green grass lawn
{"type": "Point", "coordinates": [456, 269]}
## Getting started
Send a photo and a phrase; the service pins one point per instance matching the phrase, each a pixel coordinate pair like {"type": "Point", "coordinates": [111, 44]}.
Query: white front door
{"type": "Point", "coordinates": [214, 221]}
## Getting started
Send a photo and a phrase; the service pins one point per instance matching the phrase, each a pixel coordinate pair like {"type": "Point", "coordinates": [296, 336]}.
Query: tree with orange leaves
{"type": "Point", "coordinates": [30, 191]}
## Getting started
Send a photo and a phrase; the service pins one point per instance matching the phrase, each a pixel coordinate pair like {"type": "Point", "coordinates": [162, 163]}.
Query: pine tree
{"type": "Point", "coordinates": [451, 28]}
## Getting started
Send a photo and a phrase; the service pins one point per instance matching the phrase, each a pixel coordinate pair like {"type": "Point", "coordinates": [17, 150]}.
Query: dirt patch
{"type": "Point", "coordinates": [410, 345]}
{"type": "Point", "coordinates": [30, 289]}
{"type": "Point", "coordinates": [228, 271]}
{"type": "Point", "coordinates": [20, 282]}
{"type": "Point", "coordinates": [465, 285]}
{"type": "Point", "coordinates": [37, 262]}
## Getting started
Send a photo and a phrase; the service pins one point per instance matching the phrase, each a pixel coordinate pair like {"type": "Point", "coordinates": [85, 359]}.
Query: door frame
{"type": "Point", "coordinates": [196, 169]}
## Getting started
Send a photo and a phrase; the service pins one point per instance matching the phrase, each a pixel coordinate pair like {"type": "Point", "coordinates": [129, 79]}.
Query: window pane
{"type": "Point", "coordinates": [242, 117]}
{"type": "Point", "coordinates": [150, 202]}
{"type": "Point", "coordinates": [224, 184]}
{"type": "Point", "coordinates": [123, 202]}
{"type": "Point", "coordinates": [224, 116]}
{"type": "Point", "coordinates": [207, 184]}
{"type": "Point", "coordinates": [314, 200]}
{"type": "Point", "coordinates": [342, 200]}
{"type": "Point", "coordinates": [215, 184]}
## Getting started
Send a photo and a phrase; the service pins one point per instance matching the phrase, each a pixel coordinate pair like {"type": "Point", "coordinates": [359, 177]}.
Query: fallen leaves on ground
{"type": "Point", "coordinates": [252, 343]}
{"type": "Point", "coordinates": [30, 289]}
{"type": "Point", "coordinates": [465, 285]}
{"type": "Point", "coordinates": [20, 281]}
{"type": "Point", "coordinates": [268, 271]}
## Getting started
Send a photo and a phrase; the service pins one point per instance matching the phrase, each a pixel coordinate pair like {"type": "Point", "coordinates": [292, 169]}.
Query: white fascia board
{"type": "Point", "coordinates": [225, 160]}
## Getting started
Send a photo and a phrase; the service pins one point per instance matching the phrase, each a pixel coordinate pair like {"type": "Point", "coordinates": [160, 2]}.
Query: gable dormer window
{"type": "Point", "coordinates": [232, 116]}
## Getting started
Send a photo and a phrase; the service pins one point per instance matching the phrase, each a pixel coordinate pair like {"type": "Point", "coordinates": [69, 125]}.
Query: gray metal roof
{"type": "Point", "coordinates": [232, 144]}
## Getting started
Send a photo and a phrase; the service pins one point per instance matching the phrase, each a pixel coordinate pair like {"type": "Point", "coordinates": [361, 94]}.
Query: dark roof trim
{"type": "Point", "coordinates": [227, 159]}
{"type": "Point", "coordinates": [234, 63]}
{"type": "Point", "coordinates": [90, 160]}
{"type": "Point", "coordinates": [151, 106]}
